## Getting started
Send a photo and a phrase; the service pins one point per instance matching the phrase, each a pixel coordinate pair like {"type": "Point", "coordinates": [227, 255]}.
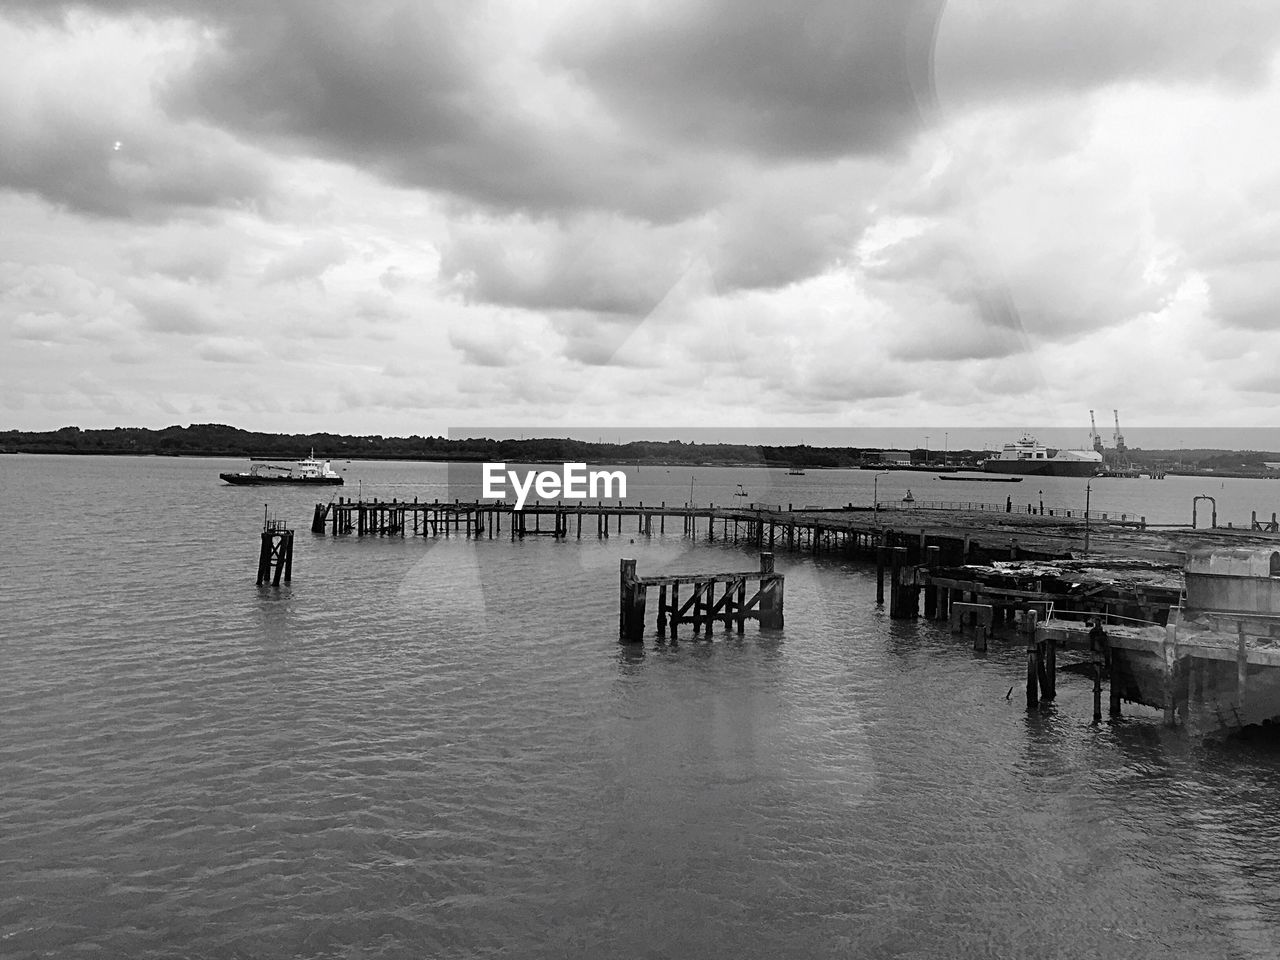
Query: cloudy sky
{"type": "Point", "coordinates": [401, 217]}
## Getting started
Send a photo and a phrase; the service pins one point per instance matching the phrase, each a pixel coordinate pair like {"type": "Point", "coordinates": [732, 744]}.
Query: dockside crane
{"type": "Point", "coordinates": [1119, 437]}
{"type": "Point", "coordinates": [1094, 436]}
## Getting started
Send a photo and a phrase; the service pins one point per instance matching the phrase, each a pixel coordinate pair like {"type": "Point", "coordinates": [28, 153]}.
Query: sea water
{"type": "Point", "coordinates": [438, 748]}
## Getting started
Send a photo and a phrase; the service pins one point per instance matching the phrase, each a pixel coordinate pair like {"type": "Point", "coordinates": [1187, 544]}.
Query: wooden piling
{"type": "Point", "coordinates": [770, 594]}
{"type": "Point", "coordinates": [931, 591]}
{"type": "Point", "coordinates": [903, 599]}
{"type": "Point", "coordinates": [631, 609]}
{"type": "Point", "coordinates": [1042, 673]}
{"type": "Point", "coordinates": [1033, 680]}
{"type": "Point", "coordinates": [275, 555]}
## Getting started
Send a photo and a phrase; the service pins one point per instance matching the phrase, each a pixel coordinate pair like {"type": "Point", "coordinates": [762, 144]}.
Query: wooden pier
{"type": "Point", "coordinates": [1178, 668]}
{"type": "Point", "coordinates": [963, 533]}
{"type": "Point", "coordinates": [702, 609]}
{"type": "Point", "coordinates": [989, 569]}
{"type": "Point", "coordinates": [762, 525]}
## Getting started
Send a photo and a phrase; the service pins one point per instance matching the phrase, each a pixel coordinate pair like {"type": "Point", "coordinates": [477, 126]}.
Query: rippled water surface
{"type": "Point", "coordinates": [439, 749]}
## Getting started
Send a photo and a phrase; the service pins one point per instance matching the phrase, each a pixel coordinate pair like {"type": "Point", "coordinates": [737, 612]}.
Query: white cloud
{"type": "Point", "coordinates": [837, 213]}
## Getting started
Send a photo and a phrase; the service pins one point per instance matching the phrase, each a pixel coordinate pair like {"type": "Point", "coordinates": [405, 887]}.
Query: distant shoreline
{"type": "Point", "coordinates": [223, 442]}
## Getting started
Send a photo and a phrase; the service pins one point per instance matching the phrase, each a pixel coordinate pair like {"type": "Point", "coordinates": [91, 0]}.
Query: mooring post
{"type": "Point", "coordinates": [891, 575]}
{"type": "Point", "coordinates": [1033, 700]}
{"type": "Point", "coordinates": [770, 594]}
{"type": "Point", "coordinates": [1042, 671]}
{"type": "Point", "coordinates": [637, 621]}
{"type": "Point", "coordinates": [898, 571]}
{"type": "Point", "coordinates": [779, 596]}
{"type": "Point", "coordinates": [1033, 675]}
{"type": "Point", "coordinates": [275, 552]}
{"type": "Point", "coordinates": [662, 611]}
{"type": "Point", "coordinates": [264, 558]}
{"type": "Point", "coordinates": [631, 604]}
{"type": "Point", "coordinates": [931, 590]}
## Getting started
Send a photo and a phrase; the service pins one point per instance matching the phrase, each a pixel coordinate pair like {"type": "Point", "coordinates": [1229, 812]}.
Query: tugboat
{"type": "Point", "coordinates": [307, 472]}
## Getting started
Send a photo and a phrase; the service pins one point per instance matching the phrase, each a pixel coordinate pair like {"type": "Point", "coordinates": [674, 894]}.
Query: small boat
{"type": "Point", "coordinates": [740, 492]}
{"type": "Point", "coordinates": [796, 472]}
{"type": "Point", "coordinates": [306, 472]}
{"type": "Point", "coordinates": [908, 498]}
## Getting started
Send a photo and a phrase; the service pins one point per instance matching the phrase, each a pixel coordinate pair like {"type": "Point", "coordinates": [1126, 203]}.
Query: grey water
{"type": "Point", "coordinates": [438, 748]}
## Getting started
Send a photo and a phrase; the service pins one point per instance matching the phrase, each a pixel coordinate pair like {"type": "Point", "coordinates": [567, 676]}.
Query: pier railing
{"type": "Point", "coordinates": [1025, 509]}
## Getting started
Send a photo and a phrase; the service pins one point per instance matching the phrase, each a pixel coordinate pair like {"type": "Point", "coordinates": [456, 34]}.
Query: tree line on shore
{"type": "Point", "coordinates": [220, 440]}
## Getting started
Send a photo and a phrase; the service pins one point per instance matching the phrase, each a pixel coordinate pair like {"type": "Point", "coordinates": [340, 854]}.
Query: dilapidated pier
{"type": "Point", "coordinates": [702, 609]}
{"type": "Point", "coordinates": [1032, 573]}
{"type": "Point", "coordinates": [1198, 640]}
{"type": "Point", "coordinates": [963, 531]}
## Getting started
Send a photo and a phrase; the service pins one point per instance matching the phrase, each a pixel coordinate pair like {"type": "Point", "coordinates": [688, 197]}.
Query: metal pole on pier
{"type": "Point", "coordinates": [1086, 517]}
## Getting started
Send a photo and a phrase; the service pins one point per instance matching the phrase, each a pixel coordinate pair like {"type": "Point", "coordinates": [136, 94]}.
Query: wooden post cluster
{"type": "Point", "coordinates": [702, 607]}
{"type": "Point", "coordinates": [276, 553]}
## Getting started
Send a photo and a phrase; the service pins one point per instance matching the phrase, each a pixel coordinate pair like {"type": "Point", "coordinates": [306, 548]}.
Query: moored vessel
{"type": "Point", "coordinates": [1027, 456]}
{"type": "Point", "coordinates": [305, 472]}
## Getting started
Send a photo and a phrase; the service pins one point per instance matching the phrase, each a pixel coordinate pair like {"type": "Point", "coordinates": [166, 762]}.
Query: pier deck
{"type": "Point", "coordinates": [964, 534]}
{"type": "Point", "coordinates": [1000, 570]}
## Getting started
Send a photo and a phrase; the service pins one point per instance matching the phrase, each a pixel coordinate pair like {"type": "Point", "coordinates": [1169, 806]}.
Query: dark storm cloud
{"type": "Point", "coordinates": [76, 162]}
{"type": "Point", "coordinates": [417, 93]}
{"type": "Point", "coordinates": [411, 91]}
{"type": "Point", "coordinates": [818, 78]}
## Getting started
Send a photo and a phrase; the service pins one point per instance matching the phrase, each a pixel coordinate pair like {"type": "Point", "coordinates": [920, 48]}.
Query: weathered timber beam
{"type": "Point", "coordinates": [977, 586]}
{"type": "Point", "coordinates": [698, 578]}
{"type": "Point", "coordinates": [679, 615]}
{"type": "Point", "coordinates": [1076, 638]}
